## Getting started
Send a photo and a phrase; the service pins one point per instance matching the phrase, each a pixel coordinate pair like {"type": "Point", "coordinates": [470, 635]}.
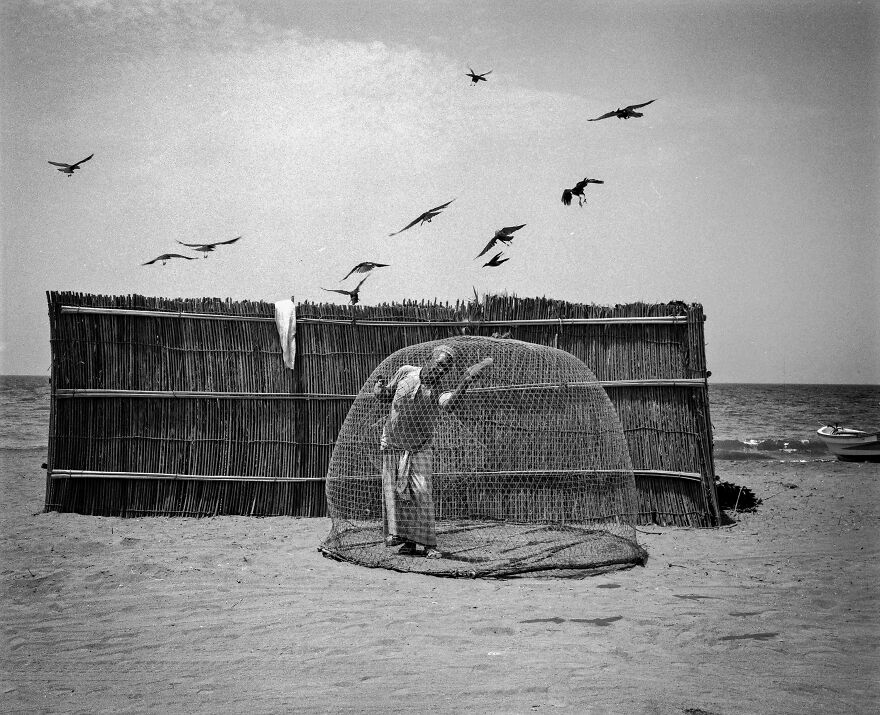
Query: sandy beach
{"type": "Point", "coordinates": [774, 614]}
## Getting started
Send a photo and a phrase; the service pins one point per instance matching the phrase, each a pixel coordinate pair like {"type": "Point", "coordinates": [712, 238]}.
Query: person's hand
{"type": "Point", "coordinates": [475, 371]}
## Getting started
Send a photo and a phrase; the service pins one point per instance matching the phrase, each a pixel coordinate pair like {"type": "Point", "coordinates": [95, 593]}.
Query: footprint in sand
{"type": "Point", "coordinates": [598, 621]}
{"type": "Point", "coordinates": [592, 621]}
{"type": "Point", "coordinates": [751, 636]}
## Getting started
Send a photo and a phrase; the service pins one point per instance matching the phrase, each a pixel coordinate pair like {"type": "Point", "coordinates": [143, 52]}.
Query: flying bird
{"type": "Point", "coordinates": [503, 235]}
{"type": "Point", "coordinates": [476, 78]}
{"type": "Point", "coordinates": [70, 168]}
{"type": "Point", "coordinates": [206, 248]}
{"type": "Point", "coordinates": [578, 190]}
{"type": "Point", "coordinates": [364, 267]}
{"type": "Point", "coordinates": [496, 260]}
{"type": "Point", "coordinates": [352, 294]}
{"type": "Point", "coordinates": [424, 218]}
{"type": "Point", "coordinates": [624, 113]}
{"type": "Point", "coordinates": [167, 256]}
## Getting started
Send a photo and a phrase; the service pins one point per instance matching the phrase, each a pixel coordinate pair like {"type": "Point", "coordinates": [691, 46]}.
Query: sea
{"type": "Point", "coordinates": [749, 421]}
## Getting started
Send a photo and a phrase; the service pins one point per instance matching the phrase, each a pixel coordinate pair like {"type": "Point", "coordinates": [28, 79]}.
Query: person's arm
{"type": "Point", "coordinates": [448, 400]}
{"type": "Point", "coordinates": [384, 392]}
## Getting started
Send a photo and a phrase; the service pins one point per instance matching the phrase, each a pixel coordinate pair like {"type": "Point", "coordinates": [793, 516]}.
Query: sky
{"type": "Point", "coordinates": [315, 129]}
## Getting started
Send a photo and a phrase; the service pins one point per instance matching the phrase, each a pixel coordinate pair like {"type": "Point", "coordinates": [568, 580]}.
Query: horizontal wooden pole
{"type": "Point", "coordinates": [632, 320]}
{"type": "Point", "coordinates": [690, 476]}
{"type": "Point", "coordinates": [70, 392]}
{"type": "Point", "coordinates": [63, 393]}
{"type": "Point", "coordinates": [94, 474]}
{"type": "Point", "coordinates": [683, 382]}
{"type": "Point", "coordinates": [164, 314]}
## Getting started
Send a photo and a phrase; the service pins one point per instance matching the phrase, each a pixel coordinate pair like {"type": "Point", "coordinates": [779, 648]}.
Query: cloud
{"type": "Point", "coordinates": [146, 24]}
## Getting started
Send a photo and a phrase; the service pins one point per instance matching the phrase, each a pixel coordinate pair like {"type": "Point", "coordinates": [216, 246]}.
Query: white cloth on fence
{"type": "Point", "coordinates": [285, 320]}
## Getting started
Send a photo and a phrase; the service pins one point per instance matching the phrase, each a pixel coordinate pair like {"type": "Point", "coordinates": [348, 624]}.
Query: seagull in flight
{"type": "Point", "coordinates": [206, 248]}
{"type": "Point", "coordinates": [496, 260]}
{"type": "Point", "coordinates": [503, 235]}
{"type": "Point", "coordinates": [364, 267]}
{"type": "Point", "coordinates": [477, 78]}
{"type": "Point", "coordinates": [424, 218]}
{"type": "Point", "coordinates": [624, 113]}
{"type": "Point", "coordinates": [70, 168]}
{"type": "Point", "coordinates": [167, 256]}
{"type": "Point", "coordinates": [352, 294]}
{"type": "Point", "coordinates": [578, 191]}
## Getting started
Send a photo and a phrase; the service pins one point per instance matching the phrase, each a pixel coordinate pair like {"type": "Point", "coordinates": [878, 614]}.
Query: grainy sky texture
{"type": "Point", "coordinates": [314, 129]}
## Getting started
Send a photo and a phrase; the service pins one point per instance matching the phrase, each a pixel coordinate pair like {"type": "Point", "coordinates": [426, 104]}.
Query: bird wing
{"type": "Point", "coordinates": [593, 181]}
{"type": "Point", "coordinates": [438, 208]}
{"type": "Point", "coordinates": [338, 290]}
{"type": "Point", "coordinates": [413, 223]}
{"type": "Point", "coordinates": [488, 247]}
{"type": "Point", "coordinates": [604, 116]}
{"type": "Point", "coordinates": [358, 286]}
{"type": "Point", "coordinates": [485, 73]}
{"type": "Point", "coordinates": [507, 230]}
{"type": "Point", "coordinates": [83, 161]}
{"type": "Point", "coordinates": [195, 245]}
{"type": "Point", "coordinates": [643, 104]}
{"type": "Point", "coordinates": [166, 256]}
{"type": "Point", "coordinates": [364, 267]}
{"type": "Point", "coordinates": [359, 268]}
{"type": "Point", "coordinates": [58, 163]}
{"type": "Point", "coordinates": [222, 243]}
{"type": "Point", "coordinates": [494, 260]}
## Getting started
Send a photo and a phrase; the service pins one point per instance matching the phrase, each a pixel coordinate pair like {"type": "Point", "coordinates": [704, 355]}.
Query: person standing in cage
{"type": "Point", "coordinates": [407, 456]}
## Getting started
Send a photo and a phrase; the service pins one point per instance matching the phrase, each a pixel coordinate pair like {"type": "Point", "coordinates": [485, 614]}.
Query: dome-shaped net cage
{"type": "Point", "coordinates": [518, 466]}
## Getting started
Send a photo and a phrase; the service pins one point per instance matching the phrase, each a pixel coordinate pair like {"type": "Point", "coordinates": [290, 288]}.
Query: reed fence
{"type": "Point", "coordinates": [184, 406]}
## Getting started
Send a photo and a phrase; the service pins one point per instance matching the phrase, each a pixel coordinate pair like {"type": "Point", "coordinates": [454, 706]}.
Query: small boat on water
{"type": "Point", "coordinates": [851, 445]}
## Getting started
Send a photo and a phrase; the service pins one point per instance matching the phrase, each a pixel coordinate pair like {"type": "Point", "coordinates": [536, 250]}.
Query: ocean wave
{"type": "Point", "coordinates": [778, 449]}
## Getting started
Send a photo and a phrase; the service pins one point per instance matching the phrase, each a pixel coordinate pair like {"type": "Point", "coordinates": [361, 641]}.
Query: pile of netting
{"type": "Point", "coordinates": [477, 456]}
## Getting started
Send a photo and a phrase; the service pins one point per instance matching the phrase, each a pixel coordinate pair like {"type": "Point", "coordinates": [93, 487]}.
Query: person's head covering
{"type": "Point", "coordinates": [435, 366]}
{"type": "Point", "coordinates": [440, 350]}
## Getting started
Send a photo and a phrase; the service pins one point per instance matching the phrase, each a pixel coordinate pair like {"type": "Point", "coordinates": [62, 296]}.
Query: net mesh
{"type": "Point", "coordinates": [482, 467]}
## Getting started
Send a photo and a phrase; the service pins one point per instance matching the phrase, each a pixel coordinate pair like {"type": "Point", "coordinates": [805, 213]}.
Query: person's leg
{"type": "Point", "coordinates": [389, 492]}
{"type": "Point", "coordinates": [425, 532]}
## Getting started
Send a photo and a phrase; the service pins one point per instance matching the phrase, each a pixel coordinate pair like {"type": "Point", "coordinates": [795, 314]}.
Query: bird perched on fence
{"type": "Point", "coordinates": [624, 113]}
{"type": "Point", "coordinates": [496, 260]}
{"type": "Point", "coordinates": [364, 267]}
{"type": "Point", "coordinates": [503, 235]}
{"type": "Point", "coordinates": [166, 257]}
{"type": "Point", "coordinates": [476, 78]}
{"type": "Point", "coordinates": [206, 248]}
{"type": "Point", "coordinates": [424, 218]}
{"type": "Point", "coordinates": [353, 295]}
{"type": "Point", "coordinates": [578, 190]}
{"type": "Point", "coordinates": [70, 168]}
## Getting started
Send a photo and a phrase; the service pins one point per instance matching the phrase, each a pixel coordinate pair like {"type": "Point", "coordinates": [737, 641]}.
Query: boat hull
{"type": "Point", "coordinates": [850, 445]}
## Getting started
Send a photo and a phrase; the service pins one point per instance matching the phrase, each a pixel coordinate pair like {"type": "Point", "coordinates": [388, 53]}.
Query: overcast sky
{"type": "Point", "coordinates": [315, 129]}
